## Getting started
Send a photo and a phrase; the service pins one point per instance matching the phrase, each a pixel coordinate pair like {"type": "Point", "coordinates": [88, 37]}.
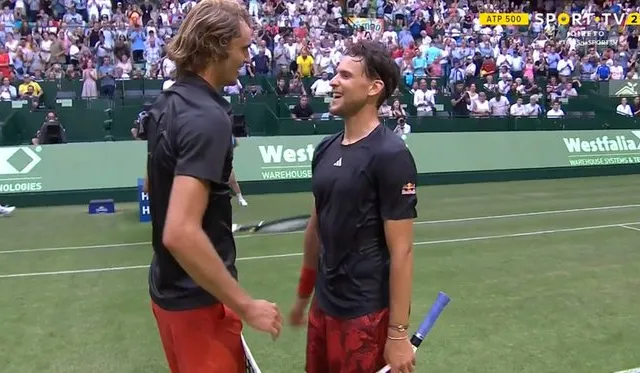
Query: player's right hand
{"type": "Point", "coordinates": [264, 316]}
{"type": "Point", "coordinates": [298, 314]}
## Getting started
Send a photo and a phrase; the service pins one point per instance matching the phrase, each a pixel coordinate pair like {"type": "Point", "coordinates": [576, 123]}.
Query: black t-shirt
{"type": "Point", "coordinates": [356, 188]}
{"type": "Point", "coordinates": [189, 134]}
{"type": "Point", "coordinates": [460, 109]}
{"type": "Point", "coordinates": [302, 112]}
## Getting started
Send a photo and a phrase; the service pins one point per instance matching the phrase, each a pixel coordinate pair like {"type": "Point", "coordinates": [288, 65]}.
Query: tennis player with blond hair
{"type": "Point", "coordinates": [196, 299]}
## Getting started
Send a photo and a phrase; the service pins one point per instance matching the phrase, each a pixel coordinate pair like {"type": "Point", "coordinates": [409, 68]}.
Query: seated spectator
{"type": "Point", "coordinates": [624, 109]}
{"type": "Point", "coordinates": [555, 112]}
{"type": "Point", "coordinates": [7, 91]}
{"type": "Point", "coordinates": [636, 106]}
{"type": "Point", "coordinates": [397, 111]}
{"type": "Point", "coordinates": [254, 90]}
{"type": "Point", "coordinates": [29, 88]}
{"type": "Point", "coordinates": [384, 110]}
{"type": "Point", "coordinates": [322, 86]}
{"type": "Point", "coordinates": [296, 87]}
{"type": "Point", "coordinates": [51, 132]}
{"type": "Point", "coordinates": [302, 110]}
{"type": "Point", "coordinates": [282, 89]}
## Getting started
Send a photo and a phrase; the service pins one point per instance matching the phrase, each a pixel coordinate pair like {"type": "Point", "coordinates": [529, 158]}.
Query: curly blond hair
{"type": "Point", "coordinates": [206, 33]}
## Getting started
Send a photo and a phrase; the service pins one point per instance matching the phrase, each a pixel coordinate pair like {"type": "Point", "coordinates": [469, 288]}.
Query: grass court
{"type": "Point", "coordinates": [544, 277]}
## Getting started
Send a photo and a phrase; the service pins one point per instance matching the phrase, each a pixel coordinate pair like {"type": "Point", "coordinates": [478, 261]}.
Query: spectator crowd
{"type": "Point", "coordinates": [443, 52]}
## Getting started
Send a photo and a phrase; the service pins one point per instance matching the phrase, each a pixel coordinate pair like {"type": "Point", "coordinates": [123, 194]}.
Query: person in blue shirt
{"type": "Point", "coordinates": [552, 61]}
{"type": "Point", "coordinates": [419, 65]}
{"type": "Point", "coordinates": [603, 72]}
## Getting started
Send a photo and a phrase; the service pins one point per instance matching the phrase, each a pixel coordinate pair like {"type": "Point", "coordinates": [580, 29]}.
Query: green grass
{"type": "Point", "coordinates": [522, 300]}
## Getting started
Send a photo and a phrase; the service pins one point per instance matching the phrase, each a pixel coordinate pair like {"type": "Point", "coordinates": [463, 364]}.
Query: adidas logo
{"type": "Point", "coordinates": [629, 90]}
{"type": "Point", "coordinates": [338, 162]}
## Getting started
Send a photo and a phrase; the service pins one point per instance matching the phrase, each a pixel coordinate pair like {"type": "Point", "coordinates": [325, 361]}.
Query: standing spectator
{"type": "Point", "coordinates": [499, 105]}
{"type": "Point", "coordinates": [137, 37]}
{"type": "Point", "coordinates": [89, 86]}
{"type": "Point", "coordinates": [261, 62]}
{"type": "Point", "coordinates": [305, 64]}
{"type": "Point", "coordinates": [152, 53]}
{"type": "Point", "coordinates": [107, 80]}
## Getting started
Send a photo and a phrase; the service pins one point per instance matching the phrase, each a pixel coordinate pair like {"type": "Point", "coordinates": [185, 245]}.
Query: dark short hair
{"type": "Point", "coordinates": [378, 64]}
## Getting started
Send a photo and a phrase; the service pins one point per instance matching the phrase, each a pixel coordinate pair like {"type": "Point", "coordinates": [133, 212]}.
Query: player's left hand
{"type": "Point", "coordinates": [399, 355]}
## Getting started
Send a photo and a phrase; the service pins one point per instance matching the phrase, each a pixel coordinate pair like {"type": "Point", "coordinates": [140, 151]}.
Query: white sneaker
{"type": "Point", "coordinates": [242, 202]}
{"type": "Point", "coordinates": [6, 210]}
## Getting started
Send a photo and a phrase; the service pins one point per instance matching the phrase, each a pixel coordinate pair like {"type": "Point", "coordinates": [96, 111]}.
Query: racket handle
{"type": "Point", "coordinates": [387, 368]}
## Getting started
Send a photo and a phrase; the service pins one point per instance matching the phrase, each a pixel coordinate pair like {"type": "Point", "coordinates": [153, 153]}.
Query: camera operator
{"type": "Point", "coordinates": [51, 132]}
{"type": "Point", "coordinates": [139, 130]}
{"type": "Point", "coordinates": [402, 128]}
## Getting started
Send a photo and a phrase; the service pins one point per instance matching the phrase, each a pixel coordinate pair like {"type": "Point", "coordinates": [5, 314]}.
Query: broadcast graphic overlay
{"type": "Point", "coordinates": [578, 23]}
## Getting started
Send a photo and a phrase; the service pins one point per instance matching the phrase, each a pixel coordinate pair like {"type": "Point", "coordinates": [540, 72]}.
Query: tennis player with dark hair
{"type": "Point", "coordinates": [358, 244]}
{"type": "Point", "coordinates": [196, 299]}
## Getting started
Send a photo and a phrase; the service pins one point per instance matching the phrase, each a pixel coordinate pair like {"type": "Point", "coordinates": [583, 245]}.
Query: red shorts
{"type": "Point", "coordinates": [346, 346]}
{"type": "Point", "coordinates": [202, 340]}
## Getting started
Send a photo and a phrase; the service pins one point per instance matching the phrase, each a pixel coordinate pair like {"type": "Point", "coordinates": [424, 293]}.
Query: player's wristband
{"type": "Point", "coordinates": [307, 282]}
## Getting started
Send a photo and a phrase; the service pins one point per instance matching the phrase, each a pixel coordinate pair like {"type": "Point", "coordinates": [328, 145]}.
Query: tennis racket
{"type": "Point", "coordinates": [250, 362]}
{"type": "Point", "coordinates": [292, 224]}
{"type": "Point", "coordinates": [428, 322]}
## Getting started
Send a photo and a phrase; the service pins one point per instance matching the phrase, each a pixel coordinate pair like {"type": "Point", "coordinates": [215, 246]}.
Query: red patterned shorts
{"type": "Point", "coordinates": [346, 346]}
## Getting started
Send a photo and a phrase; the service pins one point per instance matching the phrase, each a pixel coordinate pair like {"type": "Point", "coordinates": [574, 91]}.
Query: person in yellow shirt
{"type": "Point", "coordinates": [305, 64]}
{"type": "Point", "coordinates": [23, 89]}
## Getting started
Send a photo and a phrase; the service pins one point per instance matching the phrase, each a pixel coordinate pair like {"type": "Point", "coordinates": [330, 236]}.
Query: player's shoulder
{"type": "Point", "coordinates": [388, 142]}
{"type": "Point", "coordinates": [200, 113]}
{"type": "Point", "coordinates": [326, 143]}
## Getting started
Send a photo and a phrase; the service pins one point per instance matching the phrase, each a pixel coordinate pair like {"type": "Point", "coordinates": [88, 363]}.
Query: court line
{"type": "Point", "coordinates": [422, 243]}
{"type": "Point", "coordinates": [632, 228]}
{"type": "Point", "coordinates": [535, 213]}
{"type": "Point", "coordinates": [475, 218]}
{"type": "Point", "coordinates": [633, 370]}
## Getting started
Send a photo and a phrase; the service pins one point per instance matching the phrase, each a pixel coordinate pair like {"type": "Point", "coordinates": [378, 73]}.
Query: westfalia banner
{"type": "Point", "coordinates": [118, 164]}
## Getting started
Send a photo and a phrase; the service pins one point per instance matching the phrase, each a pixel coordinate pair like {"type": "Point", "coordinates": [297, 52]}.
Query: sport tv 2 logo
{"type": "Point", "coordinates": [18, 160]}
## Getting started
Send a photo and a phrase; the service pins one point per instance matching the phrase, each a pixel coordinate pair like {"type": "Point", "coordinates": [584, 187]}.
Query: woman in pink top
{"type": "Point", "coordinates": [528, 69]}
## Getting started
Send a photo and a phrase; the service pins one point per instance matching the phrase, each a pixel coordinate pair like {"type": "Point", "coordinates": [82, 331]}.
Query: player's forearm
{"type": "Point", "coordinates": [400, 281]}
{"type": "Point", "coordinates": [197, 256]}
{"type": "Point", "coordinates": [310, 259]}
{"type": "Point", "coordinates": [311, 244]}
